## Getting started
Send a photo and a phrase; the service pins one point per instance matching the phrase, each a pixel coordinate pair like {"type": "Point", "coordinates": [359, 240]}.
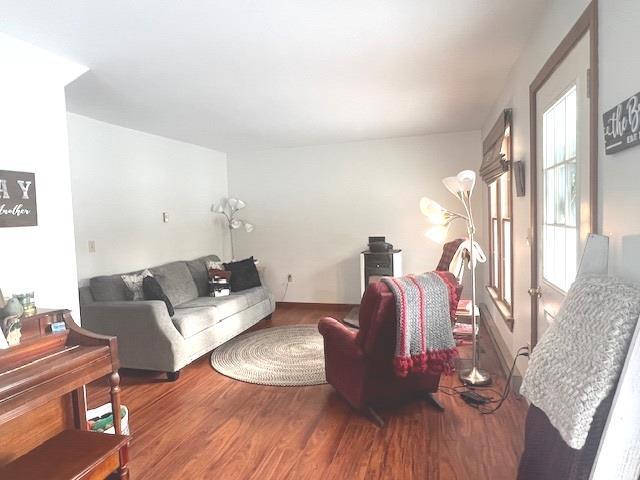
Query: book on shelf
{"type": "Point", "coordinates": [464, 308]}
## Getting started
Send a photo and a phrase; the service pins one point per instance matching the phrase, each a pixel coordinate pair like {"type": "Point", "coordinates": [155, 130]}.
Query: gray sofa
{"type": "Point", "coordinates": [148, 338]}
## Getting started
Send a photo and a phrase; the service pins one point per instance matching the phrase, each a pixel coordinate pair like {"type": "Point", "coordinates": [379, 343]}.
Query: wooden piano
{"type": "Point", "coordinates": [43, 424]}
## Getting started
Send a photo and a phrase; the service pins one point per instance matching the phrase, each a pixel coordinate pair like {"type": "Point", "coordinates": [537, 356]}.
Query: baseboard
{"type": "Point", "coordinates": [504, 355]}
{"type": "Point", "coordinates": [314, 305]}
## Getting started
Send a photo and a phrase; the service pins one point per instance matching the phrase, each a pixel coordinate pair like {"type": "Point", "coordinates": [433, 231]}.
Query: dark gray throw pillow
{"type": "Point", "coordinates": [244, 274]}
{"type": "Point", "coordinates": [153, 291]}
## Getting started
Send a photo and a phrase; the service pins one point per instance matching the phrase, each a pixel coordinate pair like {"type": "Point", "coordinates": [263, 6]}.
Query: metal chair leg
{"type": "Point", "coordinates": [374, 417]}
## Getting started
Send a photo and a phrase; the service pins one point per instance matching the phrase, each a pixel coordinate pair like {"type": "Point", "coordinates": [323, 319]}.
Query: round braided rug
{"type": "Point", "coordinates": [281, 356]}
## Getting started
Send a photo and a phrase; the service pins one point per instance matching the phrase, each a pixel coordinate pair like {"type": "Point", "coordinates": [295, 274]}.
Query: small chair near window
{"type": "Point", "coordinates": [449, 250]}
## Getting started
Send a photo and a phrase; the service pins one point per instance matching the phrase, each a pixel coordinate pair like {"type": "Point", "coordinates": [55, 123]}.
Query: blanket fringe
{"type": "Point", "coordinates": [441, 361]}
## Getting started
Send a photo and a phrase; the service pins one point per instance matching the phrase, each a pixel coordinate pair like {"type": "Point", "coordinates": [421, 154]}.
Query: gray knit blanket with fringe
{"type": "Point", "coordinates": [578, 361]}
{"type": "Point", "coordinates": [424, 338]}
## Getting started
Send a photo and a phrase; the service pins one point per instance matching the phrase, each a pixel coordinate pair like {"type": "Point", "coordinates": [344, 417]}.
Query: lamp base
{"type": "Point", "coordinates": [475, 377]}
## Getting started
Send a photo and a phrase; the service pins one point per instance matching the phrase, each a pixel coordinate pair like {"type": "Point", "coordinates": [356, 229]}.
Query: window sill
{"type": "Point", "coordinates": [505, 310]}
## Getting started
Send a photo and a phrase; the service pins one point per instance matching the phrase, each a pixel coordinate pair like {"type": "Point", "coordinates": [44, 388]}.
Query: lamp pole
{"type": "Point", "coordinates": [474, 375]}
{"type": "Point", "coordinates": [233, 256]}
{"type": "Point", "coordinates": [462, 187]}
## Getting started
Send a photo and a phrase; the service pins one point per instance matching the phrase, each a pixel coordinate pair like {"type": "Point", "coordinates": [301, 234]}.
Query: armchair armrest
{"type": "Point", "coordinates": [340, 338]}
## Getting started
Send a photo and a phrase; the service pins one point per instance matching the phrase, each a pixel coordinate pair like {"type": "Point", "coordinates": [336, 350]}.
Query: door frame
{"type": "Point", "coordinates": [586, 24]}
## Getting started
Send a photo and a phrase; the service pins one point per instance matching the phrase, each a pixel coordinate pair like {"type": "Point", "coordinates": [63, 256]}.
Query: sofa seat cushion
{"type": "Point", "coordinates": [176, 282]}
{"type": "Point", "coordinates": [201, 313]}
{"type": "Point", "coordinates": [253, 295]}
{"type": "Point", "coordinates": [190, 321]}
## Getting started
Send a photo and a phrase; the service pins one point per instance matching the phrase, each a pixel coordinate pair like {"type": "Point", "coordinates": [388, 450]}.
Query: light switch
{"type": "Point", "coordinates": [165, 217]}
{"type": "Point", "coordinates": [92, 246]}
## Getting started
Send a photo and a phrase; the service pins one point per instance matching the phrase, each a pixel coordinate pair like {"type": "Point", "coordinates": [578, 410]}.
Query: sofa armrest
{"type": "Point", "coordinates": [339, 338]}
{"type": "Point", "coordinates": [146, 316]}
{"type": "Point", "coordinates": [146, 335]}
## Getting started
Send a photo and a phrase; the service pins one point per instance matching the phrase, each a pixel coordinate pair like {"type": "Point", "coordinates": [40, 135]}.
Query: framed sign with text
{"type": "Point", "coordinates": [18, 199]}
{"type": "Point", "coordinates": [622, 125]}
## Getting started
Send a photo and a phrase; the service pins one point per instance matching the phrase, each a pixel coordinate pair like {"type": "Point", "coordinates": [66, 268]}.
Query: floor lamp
{"type": "Point", "coordinates": [229, 207]}
{"type": "Point", "coordinates": [462, 187]}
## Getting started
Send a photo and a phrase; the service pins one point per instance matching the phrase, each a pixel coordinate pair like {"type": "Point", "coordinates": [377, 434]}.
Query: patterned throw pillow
{"type": "Point", "coordinates": [211, 265]}
{"type": "Point", "coordinates": [133, 281]}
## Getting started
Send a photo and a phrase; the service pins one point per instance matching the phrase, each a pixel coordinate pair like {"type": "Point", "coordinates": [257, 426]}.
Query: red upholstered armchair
{"type": "Point", "coordinates": [359, 365]}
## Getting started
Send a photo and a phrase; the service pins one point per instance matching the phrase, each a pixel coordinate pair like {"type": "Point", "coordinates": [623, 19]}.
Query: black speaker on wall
{"type": "Point", "coordinates": [518, 175]}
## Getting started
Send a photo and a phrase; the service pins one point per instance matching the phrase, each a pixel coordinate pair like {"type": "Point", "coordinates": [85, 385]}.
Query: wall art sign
{"type": "Point", "coordinates": [622, 125]}
{"type": "Point", "coordinates": [18, 199]}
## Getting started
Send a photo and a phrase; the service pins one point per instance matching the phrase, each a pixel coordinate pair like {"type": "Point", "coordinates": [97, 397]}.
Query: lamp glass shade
{"type": "Point", "coordinates": [433, 211]}
{"type": "Point", "coordinates": [233, 203]}
{"type": "Point", "coordinates": [218, 208]}
{"type": "Point", "coordinates": [240, 204]}
{"type": "Point", "coordinates": [437, 233]}
{"type": "Point", "coordinates": [461, 183]}
{"type": "Point", "coordinates": [452, 184]}
{"type": "Point", "coordinates": [248, 227]}
{"type": "Point", "coordinates": [467, 180]}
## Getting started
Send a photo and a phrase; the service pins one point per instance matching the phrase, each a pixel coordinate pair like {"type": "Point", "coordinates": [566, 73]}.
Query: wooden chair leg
{"type": "Point", "coordinates": [374, 417]}
{"type": "Point", "coordinates": [433, 401]}
{"type": "Point", "coordinates": [114, 381]}
{"type": "Point", "coordinates": [123, 470]}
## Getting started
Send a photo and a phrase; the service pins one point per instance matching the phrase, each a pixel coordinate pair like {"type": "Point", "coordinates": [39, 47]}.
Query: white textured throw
{"type": "Point", "coordinates": [578, 361]}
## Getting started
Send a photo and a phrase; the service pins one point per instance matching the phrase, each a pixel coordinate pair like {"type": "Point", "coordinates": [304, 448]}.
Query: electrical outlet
{"type": "Point", "coordinates": [290, 278]}
{"type": "Point", "coordinates": [165, 217]}
{"type": "Point", "coordinates": [92, 246]}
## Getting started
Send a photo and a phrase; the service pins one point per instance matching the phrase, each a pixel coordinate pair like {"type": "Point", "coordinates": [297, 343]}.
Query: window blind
{"type": "Point", "coordinates": [496, 156]}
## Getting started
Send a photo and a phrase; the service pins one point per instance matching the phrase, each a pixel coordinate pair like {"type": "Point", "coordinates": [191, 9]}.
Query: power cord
{"type": "Point", "coordinates": [522, 352]}
{"type": "Point", "coordinates": [480, 402]}
{"type": "Point", "coordinates": [286, 288]}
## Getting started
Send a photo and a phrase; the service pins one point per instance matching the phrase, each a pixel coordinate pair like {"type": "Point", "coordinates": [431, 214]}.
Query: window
{"type": "Point", "coordinates": [500, 238]}
{"type": "Point", "coordinates": [496, 172]}
{"type": "Point", "coordinates": [559, 227]}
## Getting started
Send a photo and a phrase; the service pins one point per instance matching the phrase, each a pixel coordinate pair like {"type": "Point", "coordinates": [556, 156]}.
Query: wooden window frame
{"type": "Point", "coordinates": [496, 287]}
{"type": "Point", "coordinates": [586, 24]}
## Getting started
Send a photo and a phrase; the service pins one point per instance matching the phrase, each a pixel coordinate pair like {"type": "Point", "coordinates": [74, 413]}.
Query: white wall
{"type": "Point", "coordinates": [618, 189]}
{"type": "Point", "coordinates": [123, 180]}
{"type": "Point", "coordinates": [33, 138]}
{"type": "Point", "coordinates": [314, 207]}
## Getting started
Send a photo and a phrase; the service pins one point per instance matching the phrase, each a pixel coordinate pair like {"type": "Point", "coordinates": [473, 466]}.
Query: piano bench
{"type": "Point", "coordinates": [72, 455]}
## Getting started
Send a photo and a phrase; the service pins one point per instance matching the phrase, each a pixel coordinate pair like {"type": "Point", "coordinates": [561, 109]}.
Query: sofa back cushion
{"type": "Point", "coordinates": [198, 269]}
{"type": "Point", "coordinates": [176, 282]}
{"type": "Point", "coordinates": [109, 288]}
{"type": "Point", "coordinates": [86, 297]}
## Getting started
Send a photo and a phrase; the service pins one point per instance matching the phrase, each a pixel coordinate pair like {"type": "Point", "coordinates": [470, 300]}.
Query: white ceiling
{"type": "Point", "coordinates": [253, 74]}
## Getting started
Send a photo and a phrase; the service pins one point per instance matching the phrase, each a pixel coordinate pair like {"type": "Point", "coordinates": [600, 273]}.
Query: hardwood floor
{"type": "Point", "coordinates": [208, 426]}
